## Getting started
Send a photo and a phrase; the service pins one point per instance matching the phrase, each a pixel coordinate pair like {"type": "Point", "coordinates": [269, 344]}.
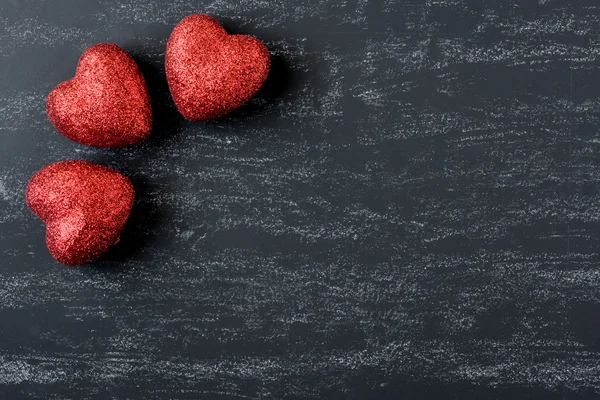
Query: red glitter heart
{"type": "Point", "coordinates": [211, 73]}
{"type": "Point", "coordinates": [107, 103]}
{"type": "Point", "coordinates": [84, 206]}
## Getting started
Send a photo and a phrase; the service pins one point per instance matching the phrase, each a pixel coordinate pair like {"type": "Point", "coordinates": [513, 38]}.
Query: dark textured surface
{"type": "Point", "coordinates": [408, 209]}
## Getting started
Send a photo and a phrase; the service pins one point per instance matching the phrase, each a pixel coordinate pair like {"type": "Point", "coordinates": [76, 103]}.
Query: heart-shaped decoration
{"type": "Point", "coordinates": [84, 206]}
{"type": "Point", "coordinates": [211, 73]}
{"type": "Point", "coordinates": [107, 103]}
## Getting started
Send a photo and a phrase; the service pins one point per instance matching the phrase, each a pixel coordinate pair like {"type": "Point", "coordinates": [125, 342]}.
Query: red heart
{"type": "Point", "coordinates": [107, 103]}
{"type": "Point", "coordinates": [84, 206]}
{"type": "Point", "coordinates": [211, 73]}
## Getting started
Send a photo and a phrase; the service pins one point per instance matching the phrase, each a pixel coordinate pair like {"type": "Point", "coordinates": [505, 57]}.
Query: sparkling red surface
{"type": "Point", "coordinates": [84, 206]}
{"type": "Point", "coordinates": [211, 73]}
{"type": "Point", "coordinates": [107, 103]}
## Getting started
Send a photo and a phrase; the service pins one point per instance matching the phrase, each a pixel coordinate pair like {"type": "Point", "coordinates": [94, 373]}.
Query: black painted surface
{"type": "Point", "coordinates": [408, 210]}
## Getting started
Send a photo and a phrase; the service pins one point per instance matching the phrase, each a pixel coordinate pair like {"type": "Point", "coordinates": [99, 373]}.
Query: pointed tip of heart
{"type": "Point", "coordinates": [84, 205]}
{"type": "Point", "coordinates": [74, 241]}
{"type": "Point", "coordinates": [106, 104]}
{"type": "Point", "coordinates": [210, 72]}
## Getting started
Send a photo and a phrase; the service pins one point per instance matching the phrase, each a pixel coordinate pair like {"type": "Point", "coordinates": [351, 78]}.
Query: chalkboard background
{"type": "Point", "coordinates": [408, 210]}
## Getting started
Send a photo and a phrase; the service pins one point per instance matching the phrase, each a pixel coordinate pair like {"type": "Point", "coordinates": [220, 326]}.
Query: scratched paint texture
{"type": "Point", "coordinates": [409, 209]}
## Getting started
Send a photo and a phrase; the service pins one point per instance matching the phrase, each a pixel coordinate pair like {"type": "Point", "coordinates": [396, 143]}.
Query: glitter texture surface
{"type": "Point", "coordinates": [107, 103]}
{"type": "Point", "coordinates": [211, 73]}
{"type": "Point", "coordinates": [84, 206]}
